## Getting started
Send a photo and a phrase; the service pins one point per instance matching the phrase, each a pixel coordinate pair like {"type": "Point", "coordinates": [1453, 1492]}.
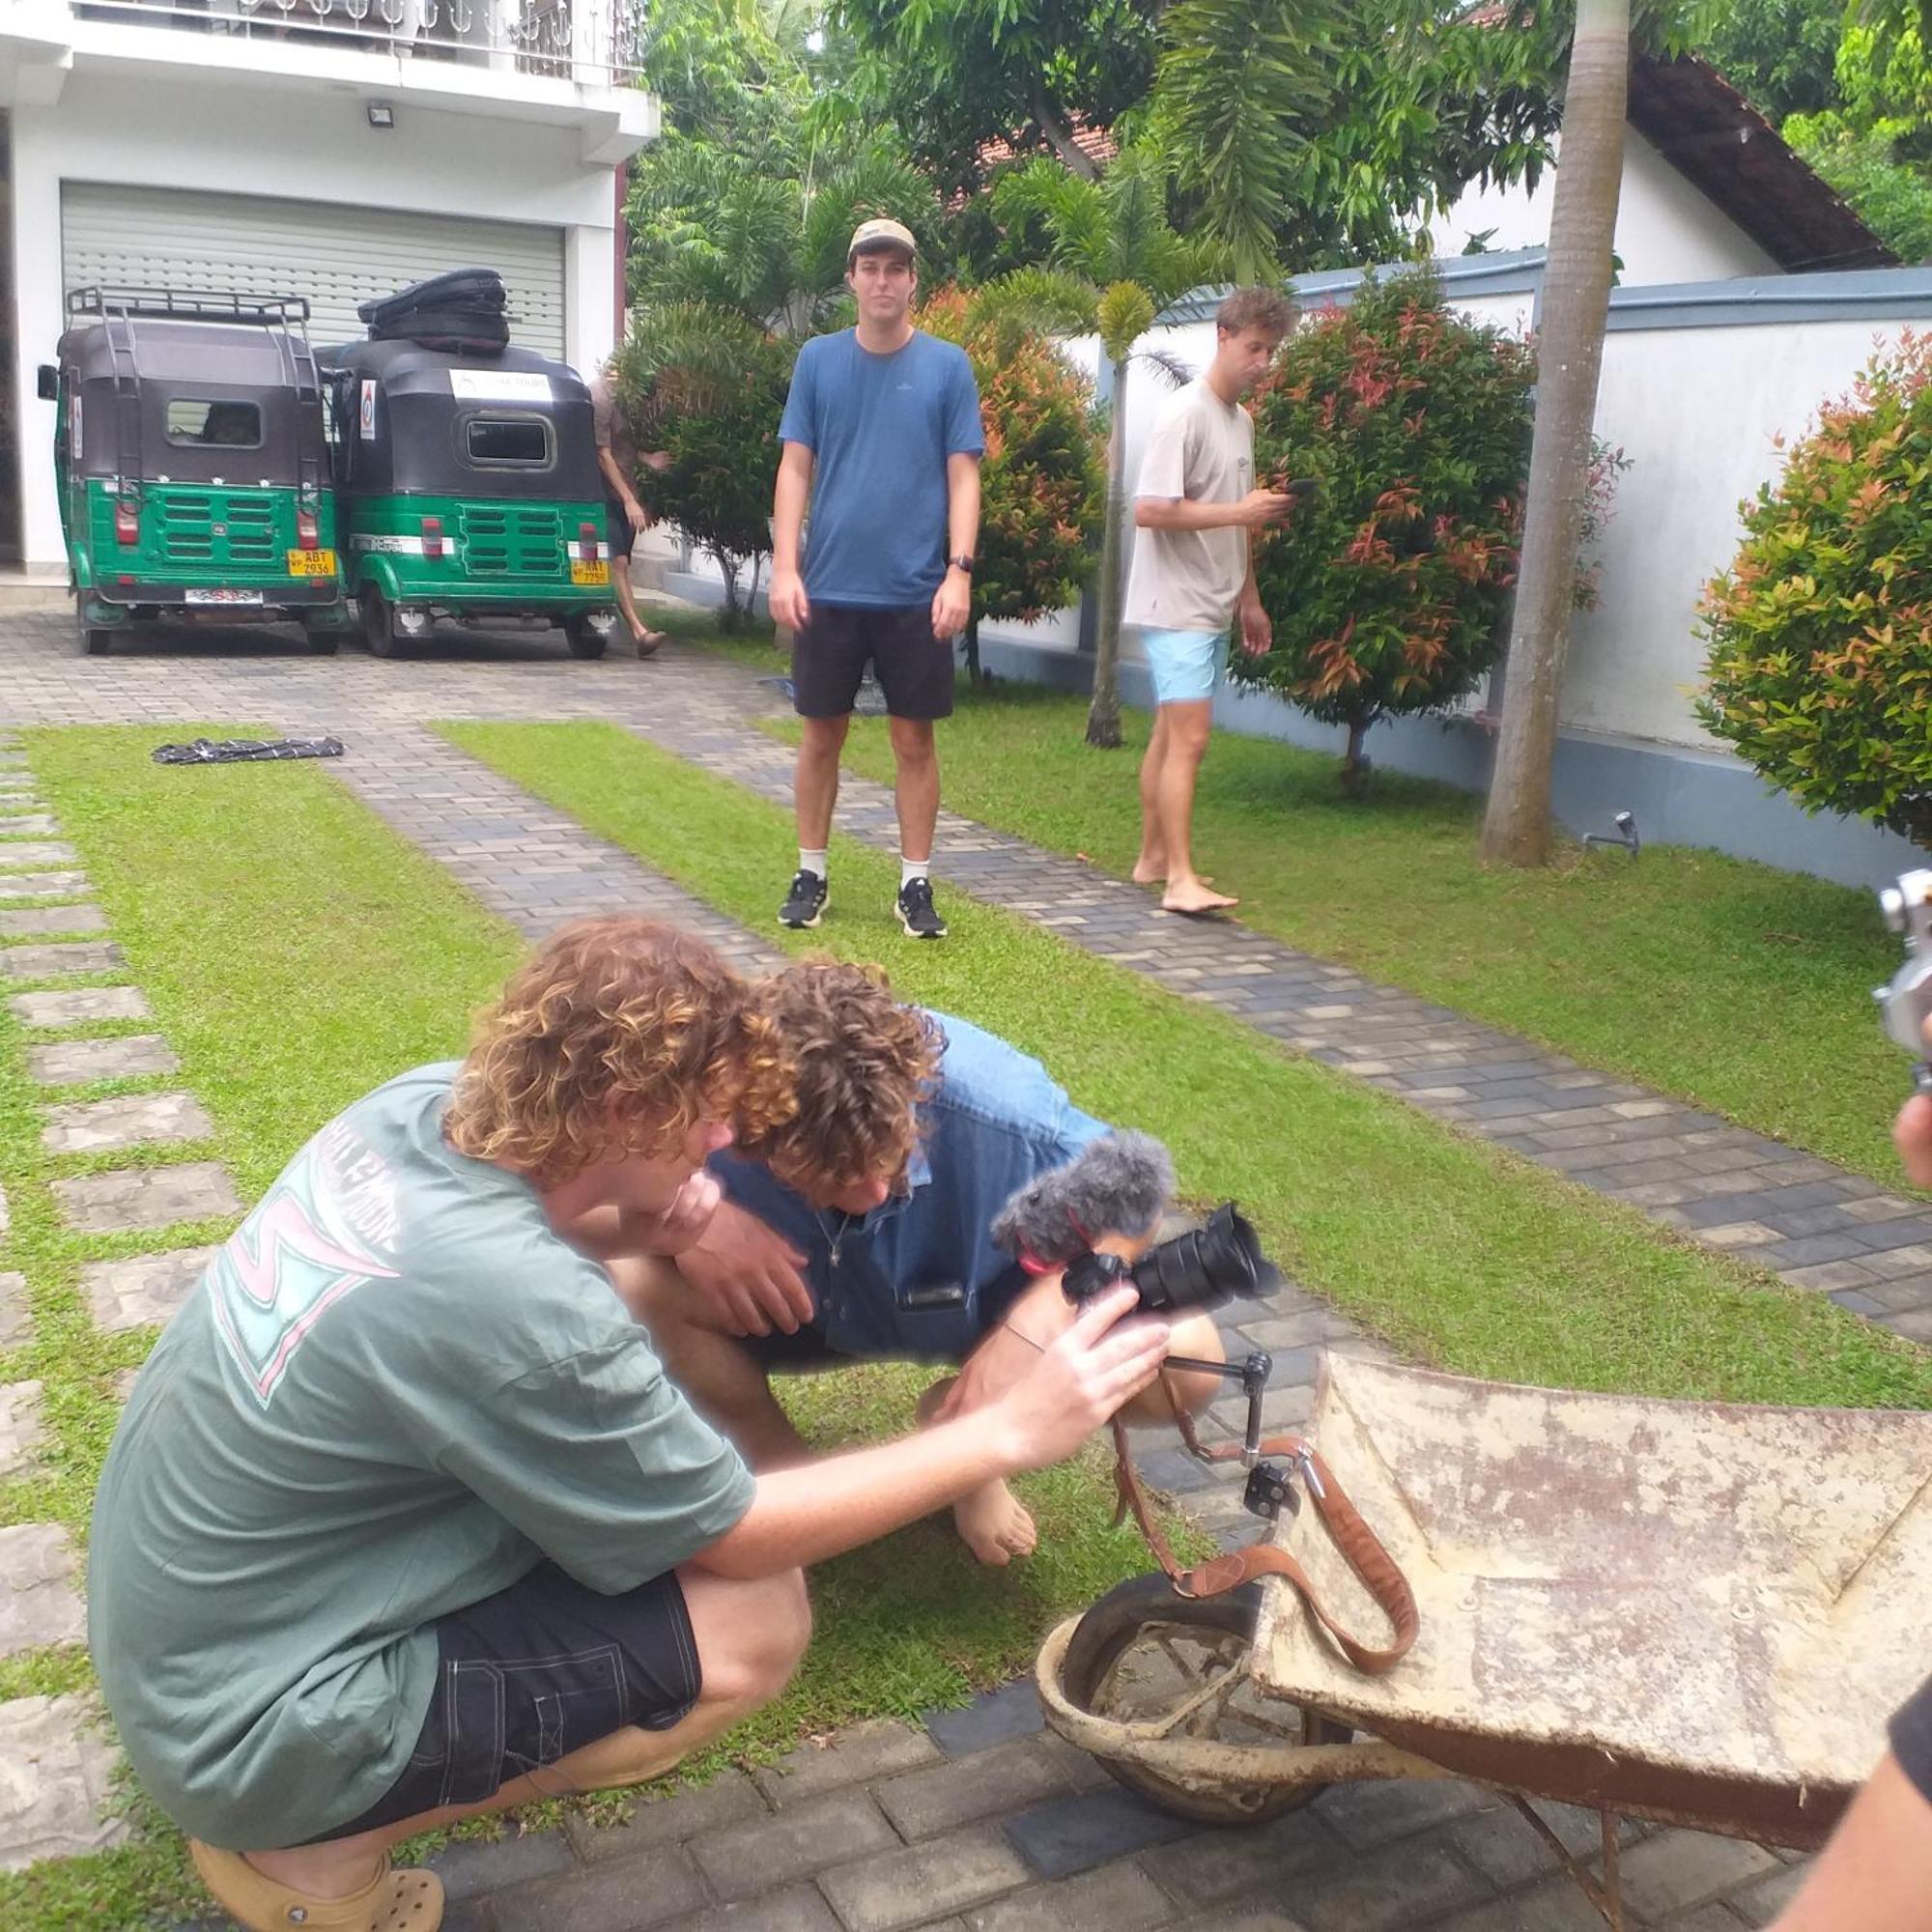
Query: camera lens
{"type": "Point", "coordinates": [1206, 1267]}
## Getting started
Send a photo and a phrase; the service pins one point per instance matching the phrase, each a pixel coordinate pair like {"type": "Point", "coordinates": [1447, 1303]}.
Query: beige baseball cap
{"type": "Point", "coordinates": [881, 234]}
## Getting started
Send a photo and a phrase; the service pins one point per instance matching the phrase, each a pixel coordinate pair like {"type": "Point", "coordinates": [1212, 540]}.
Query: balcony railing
{"type": "Point", "coordinates": [597, 42]}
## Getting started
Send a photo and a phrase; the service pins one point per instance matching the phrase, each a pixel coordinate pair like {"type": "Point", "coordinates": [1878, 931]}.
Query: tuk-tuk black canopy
{"type": "Point", "coordinates": [412, 421]}
{"type": "Point", "coordinates": [128, 383]}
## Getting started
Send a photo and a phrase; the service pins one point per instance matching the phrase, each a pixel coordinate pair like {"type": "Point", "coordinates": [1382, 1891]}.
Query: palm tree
{"type": "Point", "coordinates": [1115, 262]}
{"type": "Point", "coordinates": [1570, 353]}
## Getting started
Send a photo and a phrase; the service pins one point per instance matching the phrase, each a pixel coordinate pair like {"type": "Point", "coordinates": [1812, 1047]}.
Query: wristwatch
{"type": "Point", "coordinates": [964, 563]}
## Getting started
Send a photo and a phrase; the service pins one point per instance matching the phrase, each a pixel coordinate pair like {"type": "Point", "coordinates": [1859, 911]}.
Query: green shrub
{"type": "Point", "coordinates": [1820, 632]}
{"type": "Point", "coordinates": [1387, 588]}
{"type": "Point", "coordinates": [1043, 483]}
{"type": "Point", "coordinates": [708, 388]}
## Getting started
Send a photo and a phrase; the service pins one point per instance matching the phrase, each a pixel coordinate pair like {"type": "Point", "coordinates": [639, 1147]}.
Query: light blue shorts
{"type": "Point", "coordinates": [1186, 665]}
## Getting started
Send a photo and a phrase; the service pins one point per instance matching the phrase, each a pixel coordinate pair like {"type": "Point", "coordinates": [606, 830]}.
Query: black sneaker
{"type": "Point", "coordinates": [803, 903]}
{"type": "Point", "coordinates": [917, 912]}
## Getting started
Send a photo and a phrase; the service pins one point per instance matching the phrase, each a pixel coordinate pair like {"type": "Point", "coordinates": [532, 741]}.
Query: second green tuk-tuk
{"type": "Point", "coordinates": [469, 489]}
{"type": "Point", "coordinates": [193, 465]}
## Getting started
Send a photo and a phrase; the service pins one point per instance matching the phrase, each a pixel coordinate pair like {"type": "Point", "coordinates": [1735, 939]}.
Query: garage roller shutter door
{"type": "Point", "coordinates": [336, 257]}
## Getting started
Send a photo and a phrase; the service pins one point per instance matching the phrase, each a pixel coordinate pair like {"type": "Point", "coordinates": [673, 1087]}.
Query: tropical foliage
{"type": "Point", "coordinates": [1821, 629]}
{"type": "Point", "coordinates": [1388, 586]}
{"type": "Point", "coordinates": [1043, 483]}
{"type": "Point", "coordinates": [708, 388]}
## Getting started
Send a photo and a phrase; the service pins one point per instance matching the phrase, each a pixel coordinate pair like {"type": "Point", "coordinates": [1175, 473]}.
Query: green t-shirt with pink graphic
{"type": "Point", "coordinates": [393, 1393]}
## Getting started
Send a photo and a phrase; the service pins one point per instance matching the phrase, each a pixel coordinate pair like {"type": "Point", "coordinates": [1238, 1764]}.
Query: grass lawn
{"type": "Point", "coordinates": [1457, 1251]}
{"type": "Point", "coordinates": [298, 954]}
{"type": "Point", "coordinates": [1735, 985]}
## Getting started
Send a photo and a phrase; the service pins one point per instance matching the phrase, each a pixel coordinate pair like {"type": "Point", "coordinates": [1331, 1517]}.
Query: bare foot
{"type": "Point", "coordinates": [1194, 897]}
{"type": "Point", "coordinates": [648, 643]}
{"type": "Point", "coordinates": [1148, 872]}
{"type": "Point", "coordinates": [994, 1524]}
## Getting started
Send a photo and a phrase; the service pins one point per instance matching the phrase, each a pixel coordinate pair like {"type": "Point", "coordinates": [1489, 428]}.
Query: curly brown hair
{"type": "Point", "coordinates": [861, 1065]}
{"type": "Point", "coordinates": [1267, 309]}
{"type": "Point", "coordinates": [617, 1009]}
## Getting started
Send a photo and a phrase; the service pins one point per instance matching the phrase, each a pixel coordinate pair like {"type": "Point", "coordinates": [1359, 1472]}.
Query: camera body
{"type": "Point", "coordinates": [1202, 1268]}
{"type": "Point", "coordinates": [1905, 1002]}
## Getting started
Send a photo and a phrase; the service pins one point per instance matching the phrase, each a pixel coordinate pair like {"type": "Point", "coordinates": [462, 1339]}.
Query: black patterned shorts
{"type": "Point", "coordinates": [535, 1672]}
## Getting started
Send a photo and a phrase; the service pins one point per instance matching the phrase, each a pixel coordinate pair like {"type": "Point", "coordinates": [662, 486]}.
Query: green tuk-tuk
{"type": "Point", "coordinates": [469, 489]}
{"type": "Point", "coordinates": [192, 458]}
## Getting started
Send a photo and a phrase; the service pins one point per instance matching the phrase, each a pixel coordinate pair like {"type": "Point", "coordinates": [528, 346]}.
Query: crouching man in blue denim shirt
{"type": "Point", "coordinates": [860, 1230]}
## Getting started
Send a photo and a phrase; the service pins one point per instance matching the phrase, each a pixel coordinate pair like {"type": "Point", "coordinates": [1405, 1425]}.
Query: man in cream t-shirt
{"type": "Point", "coordinates": [1193, 512]}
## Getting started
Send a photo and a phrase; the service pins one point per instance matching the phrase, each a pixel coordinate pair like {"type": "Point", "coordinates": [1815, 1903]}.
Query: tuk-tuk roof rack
{"type": "Point", "coordinates": [189, 304]}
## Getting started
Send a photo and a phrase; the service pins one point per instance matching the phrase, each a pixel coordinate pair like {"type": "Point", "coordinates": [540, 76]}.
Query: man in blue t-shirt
{"type": "Point", "coordinates": [881, 437]}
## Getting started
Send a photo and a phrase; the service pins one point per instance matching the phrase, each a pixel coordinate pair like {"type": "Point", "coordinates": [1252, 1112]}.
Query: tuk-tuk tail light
{"type": "Point", "coordinates": [586, 542]}
{"type": "Point", "coordinates": [431, 536]}
{"type": "Point", "coordinates": [307, 535]}
{"type": "Point", "coordinates": [127, 521]}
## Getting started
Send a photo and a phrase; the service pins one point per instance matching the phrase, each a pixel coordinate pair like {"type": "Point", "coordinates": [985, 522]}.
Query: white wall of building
{"type": "Point", "coordinates": [1666, 230]}
{"type": "Point", "coordinates": [1699, 412]}
{"type": "Point", "coordinates": [228, 131]}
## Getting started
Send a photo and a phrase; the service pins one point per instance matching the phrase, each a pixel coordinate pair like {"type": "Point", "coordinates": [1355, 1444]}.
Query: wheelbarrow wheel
{"type": "Point", "coordinates": [1142, 1651]}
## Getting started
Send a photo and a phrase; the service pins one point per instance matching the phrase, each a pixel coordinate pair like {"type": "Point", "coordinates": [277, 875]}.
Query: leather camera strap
{"type": "Point", "coordinates": [1360, 1548]}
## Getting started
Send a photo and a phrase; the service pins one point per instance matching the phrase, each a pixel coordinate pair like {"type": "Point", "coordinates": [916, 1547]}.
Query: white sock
{"type": "Point", "coordinates": [911, 869]}
{"type": "Point", "coordinates": [811, 861]}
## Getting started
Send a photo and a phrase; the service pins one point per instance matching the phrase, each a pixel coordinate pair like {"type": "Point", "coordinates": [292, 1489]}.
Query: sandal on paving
{"type": "Point", "coordinates": [392, 1901]}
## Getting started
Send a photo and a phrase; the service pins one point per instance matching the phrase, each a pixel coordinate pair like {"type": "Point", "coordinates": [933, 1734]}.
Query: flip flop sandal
{"type": "Point", "coordinates": [392, 1901]}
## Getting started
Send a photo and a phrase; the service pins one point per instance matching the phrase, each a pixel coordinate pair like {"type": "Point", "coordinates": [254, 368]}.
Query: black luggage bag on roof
{"type": "Point", "coordinates": [464, 309]}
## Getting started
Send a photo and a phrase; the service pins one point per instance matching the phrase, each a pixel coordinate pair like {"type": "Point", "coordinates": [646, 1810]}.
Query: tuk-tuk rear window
{"type": "Point", "coordinates": [196, 423]}
{"type": "Point", "coordinates": [509, 443]}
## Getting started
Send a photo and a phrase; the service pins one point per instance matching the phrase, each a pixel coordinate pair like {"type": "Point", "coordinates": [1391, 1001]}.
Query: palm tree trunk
{"type": "Point", "coordinates": [1570, 353]}
{"type": "Point", "coordinates": [1103, 715]}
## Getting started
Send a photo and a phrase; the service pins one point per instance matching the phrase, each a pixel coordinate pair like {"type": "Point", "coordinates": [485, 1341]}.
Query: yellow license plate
{"type": "Point", "coordinates": [590, 573]}
{"type": "Point", "coordinates": [311, 563]}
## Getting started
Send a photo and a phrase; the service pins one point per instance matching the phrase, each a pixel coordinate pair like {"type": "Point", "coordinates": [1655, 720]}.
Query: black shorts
{"type": "Point", "coordinates": [535, 1672]}
{"type": "Point", "coordinates": [830, 655]}
{"type": "Point", "coordinates": [617, 531]}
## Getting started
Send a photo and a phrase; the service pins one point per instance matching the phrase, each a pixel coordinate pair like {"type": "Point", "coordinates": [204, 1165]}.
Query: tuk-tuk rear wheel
{"type": "Point", "coordinates": [379, 624]}
{"type": "Point", "coordinates": [583, 638]}
{"type": "Point", "coordinates": [91, 639]}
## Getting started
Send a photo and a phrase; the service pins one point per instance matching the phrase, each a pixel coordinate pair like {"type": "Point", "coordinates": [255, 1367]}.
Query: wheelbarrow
{"type": "Point", "coordinates": [1689, 1612]}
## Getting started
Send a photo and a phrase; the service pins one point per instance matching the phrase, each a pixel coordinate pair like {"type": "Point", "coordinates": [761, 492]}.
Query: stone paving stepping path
{"type": "Point", "coordinates": [144, 1291]}
{"type": "Point", "coordinates": [30, 922]}
{"type": "Point", "coordinates": [16, 1324]}
{"type": "Point", "coordinates": [146, 1197]}
{"type": "Point", "coordinates": [51, 962]}
{"type": "Point", "coordinates": [90, 1127]}
{"type": "Point", "coordinates": [56, 1768]}
{"type": "Point", "coordinates": [42, 885]}
{"type": "Point", "coordinates": [55, 1762]}
{"type": "Point", "coordinates": [20, 1427]}
{"type": "Point", "coordinates": [72, 1063]}
{"type": "Point", "coordinates": [79, 1008]}
{"type": "Point", "coordinates": [39, 1603]}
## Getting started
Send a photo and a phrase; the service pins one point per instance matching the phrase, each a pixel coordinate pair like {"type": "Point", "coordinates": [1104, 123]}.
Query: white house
{"type": "Point", "coordinates": [331, 148]}
{"type": "Point", "coordinates": [1709, 190]}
